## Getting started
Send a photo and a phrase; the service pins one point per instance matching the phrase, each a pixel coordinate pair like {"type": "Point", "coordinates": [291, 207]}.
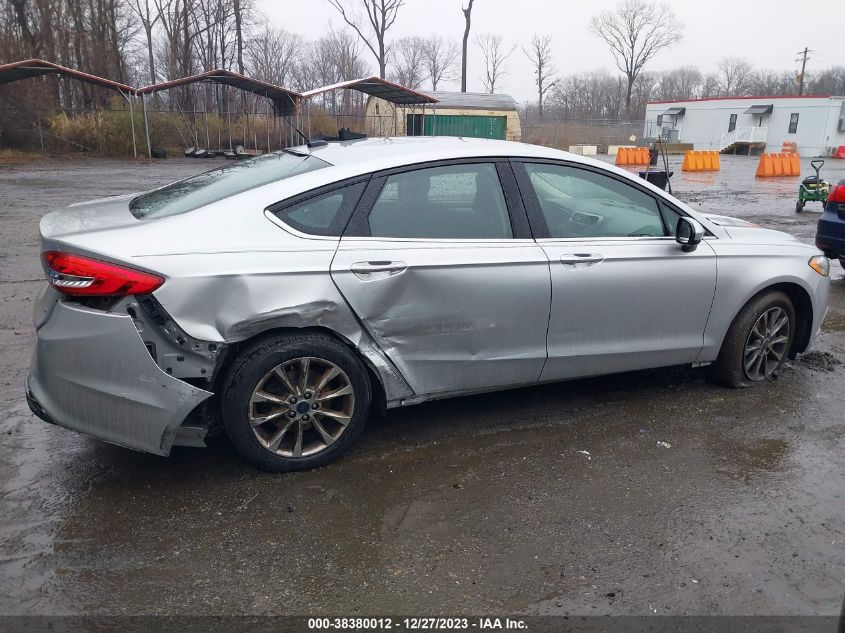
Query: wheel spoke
{"type": "Point", "coordinates": [752, 348]}
{"type": "Point", "coordinates": [282, 375]}
{"type": "Point", "coordinates": [749, 363]}
{"type": "Point", "coordinates": [769, 367]}
{"type": "Point", "coordinates": [328, 439]}
{"type": "Point", "coordinates": [264, 419]}
{"type": "Point", "coordinates": [340, 391]}
{"type": "Point", "coordinates": [327, 377]}
{"type": "Point", "coordinates": [779, 324]}
{"type": "Point", "coordinates": [264, 396]}
{"type": "Point", "coordinates": [340, 418]}
{"type": "Point", "coordinates": [273, 442]}
{"type": "Point", "coordinates": [297, 447]}
{"type": "Point", "coordinates": [304, 366]}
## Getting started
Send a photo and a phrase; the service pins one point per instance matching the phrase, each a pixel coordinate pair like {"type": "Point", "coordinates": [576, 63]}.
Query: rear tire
{"type": "Point", "coordinates": [754, 348]}
{"type": "Point", "coordinates": [295, 402]}
{"type": "Point", "coordinates": [799, 206]}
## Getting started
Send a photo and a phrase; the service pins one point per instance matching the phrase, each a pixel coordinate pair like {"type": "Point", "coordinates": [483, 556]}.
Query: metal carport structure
{"type": "Point", "coordinates": [381, 88]}
{"type": "Point", "coordinates": [28, 68]}
{"type": "Point", "coordinates": [285, 102]}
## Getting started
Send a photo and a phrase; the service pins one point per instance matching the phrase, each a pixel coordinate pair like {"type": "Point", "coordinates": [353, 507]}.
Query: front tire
{"type": "Point", "coordinates": [295, 402]}
{"type": "Point", "coordinates": [757, 342]}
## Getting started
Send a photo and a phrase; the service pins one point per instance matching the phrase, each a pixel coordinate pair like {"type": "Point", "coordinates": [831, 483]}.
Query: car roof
{"type": "Point", "coordinates": [396, 151]}
{"type": "Point", "coordinates": [367, 155]}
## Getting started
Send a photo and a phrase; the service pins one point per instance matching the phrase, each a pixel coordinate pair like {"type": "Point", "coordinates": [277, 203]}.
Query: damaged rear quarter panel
{"type": "Point", "coordinates": [231, 297]}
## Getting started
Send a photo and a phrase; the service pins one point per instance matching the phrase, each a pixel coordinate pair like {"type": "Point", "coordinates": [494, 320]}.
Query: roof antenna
{"type": "Point", "coordinates": [308, 141]}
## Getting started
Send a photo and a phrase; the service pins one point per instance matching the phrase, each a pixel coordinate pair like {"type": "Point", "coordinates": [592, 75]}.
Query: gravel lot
{"type": "Point", "coordinates": [693, 499]}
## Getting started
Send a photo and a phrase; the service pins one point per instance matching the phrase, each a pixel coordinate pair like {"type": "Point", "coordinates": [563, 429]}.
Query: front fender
{"type": "Point", "coordinates": [743, 271]}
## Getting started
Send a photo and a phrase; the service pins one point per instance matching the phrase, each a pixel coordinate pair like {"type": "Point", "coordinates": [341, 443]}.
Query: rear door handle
{"type": "Point", "coordinates": [377, 269]}
{"type": "Point", "coordinates": [580, 260]}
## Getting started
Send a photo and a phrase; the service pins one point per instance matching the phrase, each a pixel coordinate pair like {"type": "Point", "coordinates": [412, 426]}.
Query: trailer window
{"type": "Point", "coordinates": [793, 123]}
{"type": "Point", "coordinates": [215, 185]}
{"type": "Point", "coordinates": [732, 123]}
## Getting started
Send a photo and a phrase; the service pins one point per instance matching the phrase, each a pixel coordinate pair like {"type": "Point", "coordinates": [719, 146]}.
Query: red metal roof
{"type": "Point", "coordinates": [377, 87]}
{"type": "Point", "coordinates": [735, 98]}
{"type": "Point", "coordinates": [285, 101]}
{"type": "Point", "coordinates": [39, 67]}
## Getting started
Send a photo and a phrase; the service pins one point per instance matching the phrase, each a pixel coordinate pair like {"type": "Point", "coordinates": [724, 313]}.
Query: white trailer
{"type": "Point", "coordinates": [742, 124]}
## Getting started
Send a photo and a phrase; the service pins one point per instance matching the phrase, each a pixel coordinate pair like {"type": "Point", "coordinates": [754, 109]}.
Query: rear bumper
{"type": "Point", "coordinates": [91, 372]}
{"type": "Point", "coordinates": [830, 237]}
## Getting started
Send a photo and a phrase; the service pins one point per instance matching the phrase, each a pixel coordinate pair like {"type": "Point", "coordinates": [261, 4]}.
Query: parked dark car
{"type": "Point", "coordinates": [830, 234]}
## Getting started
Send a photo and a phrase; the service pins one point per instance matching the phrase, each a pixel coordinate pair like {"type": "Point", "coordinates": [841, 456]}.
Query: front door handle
{"type": "Point", "coordinates": [377, 269]}
{"type": "Point", "coordinates": [579, 260]}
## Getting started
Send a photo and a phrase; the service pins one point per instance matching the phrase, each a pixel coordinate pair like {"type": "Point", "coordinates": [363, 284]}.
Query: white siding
{"type": "Point", "coordinates": [704, 122]}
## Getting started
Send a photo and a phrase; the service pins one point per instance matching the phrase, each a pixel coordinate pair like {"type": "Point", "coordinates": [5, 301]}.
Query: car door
{"type": "Point", "coordinates": [440, 267]}
{"type": "Point", "coordinates": [625, 295]}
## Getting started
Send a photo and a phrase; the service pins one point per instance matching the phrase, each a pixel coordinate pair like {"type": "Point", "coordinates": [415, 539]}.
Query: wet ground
{"type": "Point", "coordinates": [651, 492]}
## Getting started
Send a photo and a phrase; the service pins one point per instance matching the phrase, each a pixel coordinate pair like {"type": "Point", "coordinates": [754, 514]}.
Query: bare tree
{"type": "Point", "coordinates": [494, 54]}
{"type": "Point", "coordinates": [272, 55]}
{"type": "Point", "coordinates": [439, 57]}
{"type": "Point", "coordinates": [239, 34]}
{"type": "Point", "coordinates": [735, 75]}
{"type": "Point", "coordinates": [540, 55]}
{"type": "Point", "coordinates": [467, 16]}
{"type": "Point", "coordinates": [635, 32]}
{"type": "Point", "coordinates": [710, 86]}
{"type": "Point", "coordinates": [408, 56]}
{"type": "Point", "coordinates": [680, 83]}
{"type": "Point", "coordinates": [773, 82]}
{"type": "Point", "coordinates": [381, 14]}
{"type": "Point", "coordinates": [593, 95]}
{"type": "Point", "coordinates": [148, 21]}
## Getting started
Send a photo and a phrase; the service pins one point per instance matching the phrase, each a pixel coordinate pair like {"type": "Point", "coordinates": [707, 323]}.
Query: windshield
{"type": "Point", "coordinates": [211, 186]}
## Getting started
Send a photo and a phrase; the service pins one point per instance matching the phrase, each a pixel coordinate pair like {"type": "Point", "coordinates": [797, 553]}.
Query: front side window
{"type": "Point", "coordinates": [322, 214]}
{"type": "Point", "coordinates": [793, 123]}
{"type": "Point", "coordinates": [732, 123]}
{"type": "Point", "coordinates": [578, 203]}
{"type": "Point", "coordinates": [450, 202]}
{"type": "Point", "coordinates": [215, 185]}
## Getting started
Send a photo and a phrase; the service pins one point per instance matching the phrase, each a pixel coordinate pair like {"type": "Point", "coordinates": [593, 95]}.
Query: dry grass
{"type": "Point", "coordinates": [11, 156]}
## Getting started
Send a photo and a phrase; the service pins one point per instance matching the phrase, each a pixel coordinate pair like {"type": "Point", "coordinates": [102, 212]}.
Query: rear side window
{"type": "Point", "coordinates": [451, 202]}
{"type": "Point", "coordinates": [215, 185]}
{"type": "Point", "coordinates": [321, 214]}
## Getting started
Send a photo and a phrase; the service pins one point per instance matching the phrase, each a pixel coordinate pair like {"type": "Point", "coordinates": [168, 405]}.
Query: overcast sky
{"type": "Point", "coordinates": [767, 34]}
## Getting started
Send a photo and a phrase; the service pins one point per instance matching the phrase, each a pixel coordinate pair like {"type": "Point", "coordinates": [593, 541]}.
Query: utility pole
{"type": "Point", "coordinates": [803, 59]}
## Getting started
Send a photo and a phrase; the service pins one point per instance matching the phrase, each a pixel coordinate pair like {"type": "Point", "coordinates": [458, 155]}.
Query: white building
{"type": "Point", "coordinates": [742, 124]}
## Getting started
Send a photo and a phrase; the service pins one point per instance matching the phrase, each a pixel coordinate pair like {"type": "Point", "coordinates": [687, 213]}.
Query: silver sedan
{"type": "Point", "coordinates": [288, 296]}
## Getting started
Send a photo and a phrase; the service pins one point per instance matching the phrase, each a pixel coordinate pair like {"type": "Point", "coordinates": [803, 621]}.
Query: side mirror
{"type": "Point", "coordinates": [688, 233]}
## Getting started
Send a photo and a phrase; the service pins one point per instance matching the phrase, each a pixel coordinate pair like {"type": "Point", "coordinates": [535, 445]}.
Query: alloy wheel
{"type": "Point", "coordinates": [301, 407]}
{"type": "Point", "coordinates": [766, 344]}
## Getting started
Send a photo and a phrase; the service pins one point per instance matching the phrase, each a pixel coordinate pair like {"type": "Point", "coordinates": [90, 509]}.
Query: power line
{"type": "Point", "coordinates": [803, 59]}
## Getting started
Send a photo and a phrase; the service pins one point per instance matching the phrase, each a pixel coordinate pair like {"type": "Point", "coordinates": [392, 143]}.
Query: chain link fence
{"type": "Point", "coordinates": [109, 131]}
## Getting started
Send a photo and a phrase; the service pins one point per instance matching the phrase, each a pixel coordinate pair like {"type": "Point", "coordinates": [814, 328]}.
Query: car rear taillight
{"type": "Point", "coordinates": [837, 197]}
{"type": "Point", "coordinates": [77, 275]}
{"type": "Point", "coordinates": [837, 194]}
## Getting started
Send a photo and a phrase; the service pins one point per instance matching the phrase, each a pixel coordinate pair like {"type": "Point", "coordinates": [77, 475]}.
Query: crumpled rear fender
{"type": "Point", "coordinates": [91, 372]}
